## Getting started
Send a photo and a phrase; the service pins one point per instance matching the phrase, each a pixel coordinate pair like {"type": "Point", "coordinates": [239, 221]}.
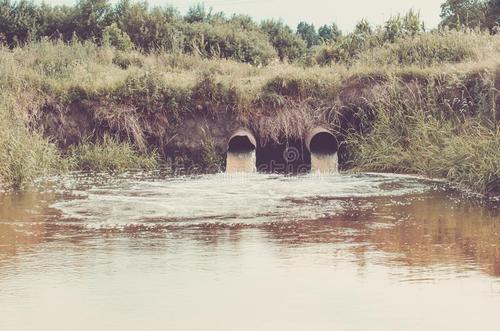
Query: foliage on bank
{"type": "Point", "coordinates": [110, 155]}
{"type": "Point", "coordinates": [409, 134]}
{"type": "Point", "coordinates": [131, 24]}
{"type": "Point", "coordinates": [425, 104]}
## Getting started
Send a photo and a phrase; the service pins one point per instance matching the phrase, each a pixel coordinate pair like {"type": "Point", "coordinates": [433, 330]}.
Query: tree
{"type": "Point", "coordinates": [308, 33]}
{"type": "Point", "coordinates": [56, 22]}
{"type": "Point", "coordinates": [198, 13]}
{"type": "Point", "coordinates": [401, 26]}
{"type": "Point", "coordinates": [19, 21]}
{"type": "Point", "coordinates": [149, 29]}
{"type": "Point", "coordinates": [90, 17]}
{"type": "Point", "coordinates": [363, 28]}
{"type": "Point", "coordinates": [244, 21]}
{"type": "Point", "coordinates": [325, 32]}
{"type": "Point", "coordinates": [287, 44]}
{"type": "Point", "coordinates": [493, 15]}
{"type": "Point", "coordinates": [329, 32]}
{"type": "Point", "coordinates": [113, 36]}
{"type": "Point", "coordinates": [458, 13]}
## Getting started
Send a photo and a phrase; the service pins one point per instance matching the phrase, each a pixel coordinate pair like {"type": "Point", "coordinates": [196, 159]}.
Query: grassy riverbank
{"type": "Point", "coordinates": [426, 105]}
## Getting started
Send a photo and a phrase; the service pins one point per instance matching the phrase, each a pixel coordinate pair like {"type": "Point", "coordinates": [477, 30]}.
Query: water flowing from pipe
{"type": "Point", "coordinates": [323, 147]}
{"type": "Point", "coordinates": [324, 163]}
{"type": "Point", "coordinates": [241, 162]}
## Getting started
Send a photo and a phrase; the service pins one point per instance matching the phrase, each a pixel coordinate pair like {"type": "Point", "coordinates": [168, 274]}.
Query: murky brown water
{"type": "Point", "coordinates": [254, 252]}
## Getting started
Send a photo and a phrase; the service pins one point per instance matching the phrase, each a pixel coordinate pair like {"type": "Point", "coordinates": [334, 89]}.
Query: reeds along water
{"type": "Point", "coordinates": [322, 163]}
{"type": "Point", "coordinates": [241, 162]}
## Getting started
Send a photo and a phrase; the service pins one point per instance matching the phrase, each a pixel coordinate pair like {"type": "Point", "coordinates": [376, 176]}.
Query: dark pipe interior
{"type": "Point", "coordinates": [290, 157]}
{"type": "Point", "coordinates": [240, 144]}
{"type": "Point", "coordinates": [323, 143]}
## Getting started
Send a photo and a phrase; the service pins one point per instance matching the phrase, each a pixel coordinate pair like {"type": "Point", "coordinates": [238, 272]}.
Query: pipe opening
{"type": "Point", "coordinates": [323, 143]}
{"type": "Point", "coordinates": [240, 144]}
{"type": "Point", "coordinates": [323, 147]}
{"type": "Point", "coordinates": [241, 152]}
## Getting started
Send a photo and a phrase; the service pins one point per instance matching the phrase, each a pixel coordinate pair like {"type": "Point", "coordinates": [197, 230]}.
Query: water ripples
{"type": "Point", "coordinates": [246, 198]}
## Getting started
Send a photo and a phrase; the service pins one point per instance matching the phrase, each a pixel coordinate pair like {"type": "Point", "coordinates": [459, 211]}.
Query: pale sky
{"type": "Point", "coordinates": [346, 13]}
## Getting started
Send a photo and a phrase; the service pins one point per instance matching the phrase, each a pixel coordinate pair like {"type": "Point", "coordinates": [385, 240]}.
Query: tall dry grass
{"type": "Point", "coordinates": [410, 134]}
{"type": "Point", "coordinates": [24, 154]}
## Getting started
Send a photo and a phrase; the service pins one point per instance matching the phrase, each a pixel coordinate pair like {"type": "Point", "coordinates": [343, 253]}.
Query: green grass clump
{"type": "Point", "coordinates": [472, 160]}
{"type": "Point", "coordinates": [25, 156]}
{"type": "Point", "coordinates": [422, 49]}
{"type": "Point", "coordinates": [110, 155]}
{"type": "Point", "coordinates": [24, 153]}
{"type": "Point", "coordinates": [411, 136]}
{"type": "Point", "coordinates": [149, 91]}
{"type": "Point", "coordinates": [302, 86]}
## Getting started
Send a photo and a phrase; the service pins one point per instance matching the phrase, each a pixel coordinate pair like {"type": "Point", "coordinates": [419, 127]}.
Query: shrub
{"type": "Point", "coordinates": [401, 26]}
{"type": "Point", "coordinates": [127, 59]}
{"type": "Point", "coordinates": [19, 21]}
{"type": "Point", "coordinates": [150, 92]}
{"type": "Point", "coordinates": [346, 49]}
{"type": "Point", "coordinates": [113, 36]}
{"type": "Point", "coordinates": [149, 29]}
{"type": "Point", "coordinates": [213, 92]}
{"type": "Point", "coordinates": [229, 41]}
{"type": "Point", "coordinates": [288, 45]}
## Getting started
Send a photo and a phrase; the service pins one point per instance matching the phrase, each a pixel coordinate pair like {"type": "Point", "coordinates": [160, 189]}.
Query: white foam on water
{"type": "Point", "coordinates": [232, 197]}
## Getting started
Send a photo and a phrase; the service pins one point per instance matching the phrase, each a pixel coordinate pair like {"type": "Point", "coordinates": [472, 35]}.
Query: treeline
{"type": "Point", "coordinates": [482, 14]}
{"type": "Point", "coordinates": [130, 24]}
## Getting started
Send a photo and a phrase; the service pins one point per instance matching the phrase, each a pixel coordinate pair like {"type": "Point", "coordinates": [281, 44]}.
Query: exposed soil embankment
{"type": "Point", "coordinates": [202, 129]}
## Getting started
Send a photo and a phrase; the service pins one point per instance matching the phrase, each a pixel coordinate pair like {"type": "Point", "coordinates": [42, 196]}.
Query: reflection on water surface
{"type": "Point", "coordinates": [257, 251]}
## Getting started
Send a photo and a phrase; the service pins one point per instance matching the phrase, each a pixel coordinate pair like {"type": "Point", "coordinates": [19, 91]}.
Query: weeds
{"type": "Point", "coordinates": [411, 137]}
{"type": "Point", "coordinates": [24, 155]}
{"type": "Point", "coordinates": [110, 155]}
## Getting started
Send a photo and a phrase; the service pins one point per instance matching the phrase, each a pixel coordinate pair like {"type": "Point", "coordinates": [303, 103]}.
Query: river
{"type": "Point", "coordinates": [148, 251]}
